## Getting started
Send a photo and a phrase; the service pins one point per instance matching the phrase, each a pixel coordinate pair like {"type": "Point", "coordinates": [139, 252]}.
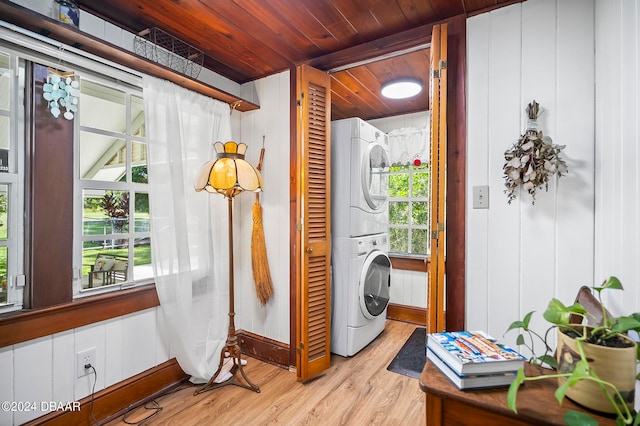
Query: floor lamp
{"type": "Point", "coordinates": [229, 174]}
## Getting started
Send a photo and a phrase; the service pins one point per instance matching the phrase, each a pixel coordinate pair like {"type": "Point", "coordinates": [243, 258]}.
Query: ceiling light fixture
{"type": "Point", "coordinates": [402, 88]}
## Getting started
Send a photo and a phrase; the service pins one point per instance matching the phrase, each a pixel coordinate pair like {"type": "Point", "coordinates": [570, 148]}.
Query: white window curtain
{"type": "Point", "coordinates": [188, 229]}
{"type": "Point", "coordinates": [406, 145]}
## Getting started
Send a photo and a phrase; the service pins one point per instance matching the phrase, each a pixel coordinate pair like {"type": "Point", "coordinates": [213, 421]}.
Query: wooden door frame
{"type": "Point", "coordinates": [456, 159]}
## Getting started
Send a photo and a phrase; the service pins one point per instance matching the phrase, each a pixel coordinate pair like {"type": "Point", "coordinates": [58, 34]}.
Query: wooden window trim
{"type": "Point", "coordinates": [406, 263]}
{"type": "Point", "coordinates": [21, 326]}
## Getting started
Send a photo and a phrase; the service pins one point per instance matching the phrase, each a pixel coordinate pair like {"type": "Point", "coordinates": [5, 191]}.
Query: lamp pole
{"type": "Point", "coordinates": [225, 177]}
{"type": "Point", "coordinates": [231, 347]}
{"type": "Point", "coordinates": [232, 340]}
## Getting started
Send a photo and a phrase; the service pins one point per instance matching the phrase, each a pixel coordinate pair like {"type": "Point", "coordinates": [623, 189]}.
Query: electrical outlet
{"type": "Point", "coordinates": [88, 356]}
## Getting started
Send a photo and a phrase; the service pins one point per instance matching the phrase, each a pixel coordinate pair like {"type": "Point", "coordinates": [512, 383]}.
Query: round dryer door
{"type": "Point", "coordinates": [375, 280]}
{"type": "Point", "coordinates": [375, 175]}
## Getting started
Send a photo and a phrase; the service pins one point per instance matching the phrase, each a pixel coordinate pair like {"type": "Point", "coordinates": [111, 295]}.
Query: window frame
{"type": "Point", "coordinates": [80, 185]}
{"type": "Point", "coordinates": [27, 324]}
{"type": "Point", "coordinates": [411, 171]}
{"type": "Point", "coordinates": [31, 322]}
{"type": "Point", "coordinates": [14, 180]}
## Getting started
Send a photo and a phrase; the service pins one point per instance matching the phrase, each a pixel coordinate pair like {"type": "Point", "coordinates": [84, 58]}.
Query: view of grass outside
{"type": "Point", "coordinates": [409, 209]}
{"type": "Point", "coordinates": [106, 215]}
{"type": "Point", "coordinates": [91, 249]}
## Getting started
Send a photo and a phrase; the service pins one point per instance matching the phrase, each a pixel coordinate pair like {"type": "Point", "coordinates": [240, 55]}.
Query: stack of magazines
{"type": "Point", "coordinates": [473, 359]}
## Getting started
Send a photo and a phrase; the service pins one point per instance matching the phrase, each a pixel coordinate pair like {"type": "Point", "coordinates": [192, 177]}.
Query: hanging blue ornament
{"type": "Point", "coordinates": [61, 92]}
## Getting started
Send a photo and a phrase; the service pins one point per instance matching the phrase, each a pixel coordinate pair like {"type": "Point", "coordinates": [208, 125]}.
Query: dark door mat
{"type": "Point", "coordinates": [411, 358]}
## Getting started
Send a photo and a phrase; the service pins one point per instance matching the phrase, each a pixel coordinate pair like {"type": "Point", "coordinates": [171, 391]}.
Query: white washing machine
{"type": "Point", "coordinates": [359, 179]}
{"type": "Point", "coordinates": [360, 291]}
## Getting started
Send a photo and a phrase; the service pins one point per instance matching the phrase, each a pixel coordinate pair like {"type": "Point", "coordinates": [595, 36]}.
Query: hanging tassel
{"type": "Point", "coordinates": [259, 259]}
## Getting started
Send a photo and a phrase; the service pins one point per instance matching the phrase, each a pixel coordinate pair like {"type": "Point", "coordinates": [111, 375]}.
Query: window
{"type": "Point", "coordinates": [114, 248]}
{"type": "Point", "coordinates": [11, 182]}
{"type": "Point", "coordinates": [409, 209]}
{"type": "Point", "coordinates": [87, 230]}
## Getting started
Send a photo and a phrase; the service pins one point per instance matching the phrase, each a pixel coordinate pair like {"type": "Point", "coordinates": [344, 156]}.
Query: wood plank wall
{"type": "Point", "coordinates": [617, 225]}
{"type": "Point", "coordinates": [272, 122]}
{"type": "Point", "coordinates": [521, 255]}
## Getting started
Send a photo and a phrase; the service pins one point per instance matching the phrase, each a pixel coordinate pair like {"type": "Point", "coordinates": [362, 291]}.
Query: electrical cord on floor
{"type": "Point", "coordinates": [152, 405]}
{"type": "Point", "coordinates": [156, 409]}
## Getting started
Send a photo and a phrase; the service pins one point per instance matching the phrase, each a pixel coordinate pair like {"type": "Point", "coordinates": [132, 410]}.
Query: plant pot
{"type": "Point", "coordinates": [614, 365]}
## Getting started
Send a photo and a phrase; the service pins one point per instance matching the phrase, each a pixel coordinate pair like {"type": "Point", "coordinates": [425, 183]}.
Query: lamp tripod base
{"type": "Point", "coordinates": [235, 357]}
{"type": "Point", "coordinates": [231, 347]}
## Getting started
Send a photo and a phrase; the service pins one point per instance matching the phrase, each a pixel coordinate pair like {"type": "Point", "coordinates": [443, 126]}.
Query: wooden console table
{"type": "Point", "coordinates": [447, 405]}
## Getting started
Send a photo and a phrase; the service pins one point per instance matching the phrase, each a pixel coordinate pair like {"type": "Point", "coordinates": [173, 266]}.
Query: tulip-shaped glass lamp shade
{"type": "Point", "coordinates": [229, 174]}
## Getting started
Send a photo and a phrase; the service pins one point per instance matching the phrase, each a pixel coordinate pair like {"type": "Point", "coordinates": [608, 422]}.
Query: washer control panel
{"type": "Point", "coordinates": [380, 242]}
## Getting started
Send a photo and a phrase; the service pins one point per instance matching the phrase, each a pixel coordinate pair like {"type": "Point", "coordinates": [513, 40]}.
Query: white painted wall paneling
{"type": "Point", "coordinates": [477, 238]}
{"type": "Point", "coordinates": [539, 43]}
{"type": "Point", "coordinates": [7, 382]}
{"type": "Point", "coordinates": [272, 121]}
{"type": "Point", "coordinates": [575, 108]}
{"type": "Point", "coordinates": [32, 375]}
{"type": "Point", "coordinates": [520, 255]}
{"type": "Point", "coordinates": [617, 209]}
{"type": "Point", "coordinates": [44, 369]}
{"type": "Point", "coordinates": [504, 111]}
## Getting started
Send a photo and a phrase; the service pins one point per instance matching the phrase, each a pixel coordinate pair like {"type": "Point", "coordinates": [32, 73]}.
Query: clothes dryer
{"type": "Point", "coordinates": [361, 280]}
{"type": "Point", "coordinates": [359, 179]}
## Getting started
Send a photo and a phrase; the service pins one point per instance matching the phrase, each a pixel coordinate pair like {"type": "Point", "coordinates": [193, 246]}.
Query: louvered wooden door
{"type": "Point", "coordinates": [314, 299]}
{"type": "Point", "coordinates": [438, 107]}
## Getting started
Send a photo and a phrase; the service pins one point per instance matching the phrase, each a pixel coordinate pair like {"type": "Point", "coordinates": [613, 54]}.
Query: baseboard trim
{"type": "Point", "coordinates": [264, 349]}
{"type": "Point", "coordinates": [406, 313]}
{"type": "Point", "coordinates": [115, 400]}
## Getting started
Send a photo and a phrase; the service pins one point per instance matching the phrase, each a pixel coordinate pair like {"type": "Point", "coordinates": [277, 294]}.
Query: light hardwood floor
{"type": "Point", "coordinates": [354, 391]}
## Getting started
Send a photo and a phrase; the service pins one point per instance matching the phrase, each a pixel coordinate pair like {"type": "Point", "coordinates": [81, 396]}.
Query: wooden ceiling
{"type": "Point", "coordinates": [245, 40]}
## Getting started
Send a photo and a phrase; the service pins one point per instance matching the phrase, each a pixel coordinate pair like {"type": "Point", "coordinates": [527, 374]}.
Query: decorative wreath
{"type": "Point", "coordinates": [532, 159]}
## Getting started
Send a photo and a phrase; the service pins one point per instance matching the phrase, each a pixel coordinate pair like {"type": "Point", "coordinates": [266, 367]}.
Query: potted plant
{"type": "Point", "coordinates": [582, 374]}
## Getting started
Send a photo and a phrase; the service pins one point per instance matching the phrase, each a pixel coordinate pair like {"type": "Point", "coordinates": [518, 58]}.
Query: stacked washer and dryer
{"type": "Point", "coordinates": [361, 268]}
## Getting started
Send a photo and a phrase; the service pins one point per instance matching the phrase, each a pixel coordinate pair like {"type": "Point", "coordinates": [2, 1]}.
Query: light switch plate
{"type": "Point", "coordinates": [481, 197]}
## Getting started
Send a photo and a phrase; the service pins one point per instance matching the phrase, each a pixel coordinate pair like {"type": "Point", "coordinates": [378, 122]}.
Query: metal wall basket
{"type": "Point", "coordinates": [163, 48]}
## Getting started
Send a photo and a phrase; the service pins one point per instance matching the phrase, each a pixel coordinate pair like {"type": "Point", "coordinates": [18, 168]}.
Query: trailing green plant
{"type": "Point", "coordinates": [558, 315]}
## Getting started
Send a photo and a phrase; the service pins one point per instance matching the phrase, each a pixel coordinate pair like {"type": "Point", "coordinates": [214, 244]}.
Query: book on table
{"type": "Point", "coordinates": [471, 381]}
{"type": "Point", "coordinates": [474, 352]}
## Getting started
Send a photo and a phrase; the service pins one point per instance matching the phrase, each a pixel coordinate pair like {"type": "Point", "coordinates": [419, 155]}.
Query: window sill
{"type": "Point", "coordinates": [21, 326]}
{"type": "Point", "coordinates": [410, 263]}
